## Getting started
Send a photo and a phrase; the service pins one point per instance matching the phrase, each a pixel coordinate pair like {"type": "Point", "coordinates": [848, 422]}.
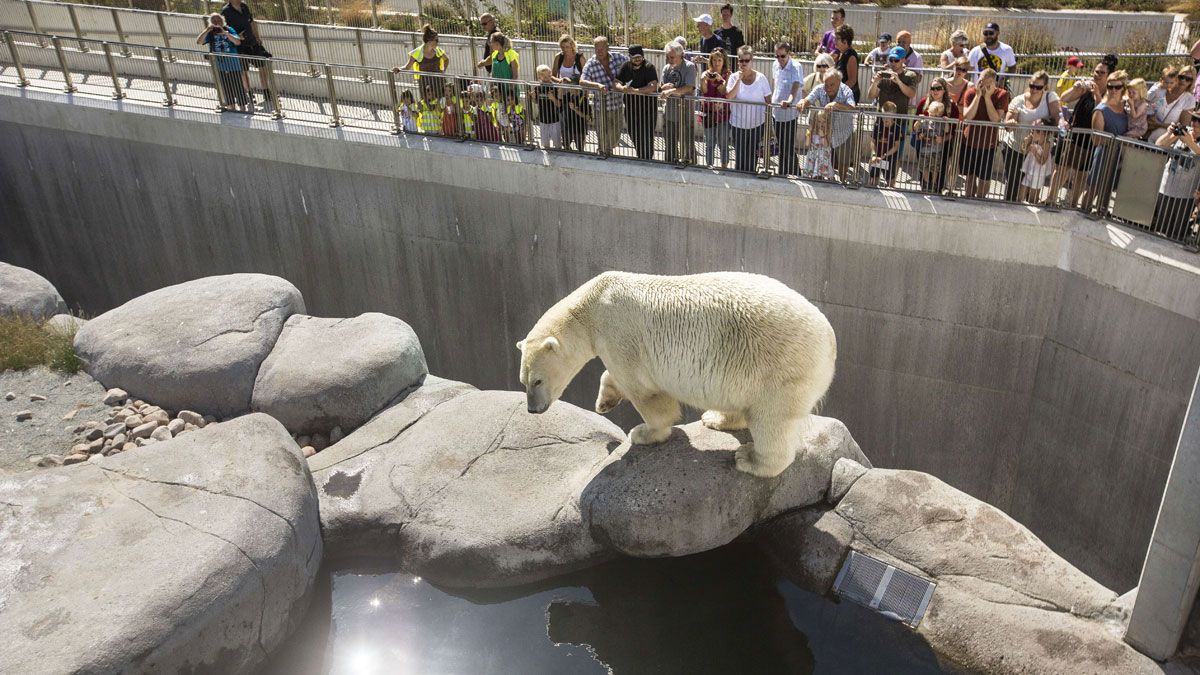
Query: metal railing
{"type": "Point", "coordinates": [1118, 178]}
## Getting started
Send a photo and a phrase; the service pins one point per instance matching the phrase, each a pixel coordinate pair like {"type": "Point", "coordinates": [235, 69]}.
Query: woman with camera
{"type": "Point", "coordinates": [1181, 179]}
{"type": "Point", "coordinates": [224, 40]}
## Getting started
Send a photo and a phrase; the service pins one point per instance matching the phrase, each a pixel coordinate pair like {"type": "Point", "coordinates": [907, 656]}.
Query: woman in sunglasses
{"type": "Point", "coordinates": [747, 120]}
{"type": "Point", "coordinates": [1171, 101]}
{"type": "Point", "coordinates": [1109, 117]}
{"type": "Point", "coordinates": [1038, 103]}
{"type": "Point", "coordinates": [1074, 156]}
{"type": "Point", "coordinates": [816, 78]}
{"type": "Point", "coordinates": [957, 80]}
{"type": "Point", "coordinates": [939, 92]}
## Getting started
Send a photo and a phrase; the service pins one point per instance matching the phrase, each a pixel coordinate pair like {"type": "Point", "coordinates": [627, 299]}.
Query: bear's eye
{"type": "Point", "coordinates": [537, 383]}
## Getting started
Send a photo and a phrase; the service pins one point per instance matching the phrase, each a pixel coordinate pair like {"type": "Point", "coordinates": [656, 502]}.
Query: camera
{"type": "Point", "coordinates": [1178, 129]}
{"type": "Point", "coordinates": [885, 74]}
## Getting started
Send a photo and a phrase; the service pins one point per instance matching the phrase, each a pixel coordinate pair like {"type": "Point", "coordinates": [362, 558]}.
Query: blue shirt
{"type": "Point", "coordinates": [220, 44]}
{"type": "Point", "coordinates": [784, 78]}
{"type": "Point", "coordinates": [843, 120]}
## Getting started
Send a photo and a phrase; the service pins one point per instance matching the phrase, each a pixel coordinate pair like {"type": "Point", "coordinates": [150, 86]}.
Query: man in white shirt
{"type": "Point", "coordinates": [878, 57]}
{"type": "Point", "coordinates": [992, 53]}
{"type": "Point", "coordinates": [788, 77]}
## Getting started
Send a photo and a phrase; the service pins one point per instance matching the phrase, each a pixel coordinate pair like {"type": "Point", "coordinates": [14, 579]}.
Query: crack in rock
{"type": "Point", "coordinates": [253, 325]}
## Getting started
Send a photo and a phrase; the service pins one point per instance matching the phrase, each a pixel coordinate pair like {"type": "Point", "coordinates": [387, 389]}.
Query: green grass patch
{"type": "Point", "coordinates": [27, 343]}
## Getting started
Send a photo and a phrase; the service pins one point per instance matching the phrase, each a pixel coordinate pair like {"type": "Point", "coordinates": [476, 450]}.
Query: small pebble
{"type": "Point", "coordinates": [36, 459]}
{"type": "Point", "coordinates": [190, 427]}
{"type": "Point", "coordinates": [67, 383]}
{"type": "Point", "coordinates": [9, 396]}
{"type": "Point", "coordinates": [318, 442]}
{"type": "Point", "coordinates": [113, 429]}
{"type": "Point", "coordinates": [308, 450]}
{"type": "Point", "coordinates": [114, 396]}
{"type": "Point", "coordinates": [79, 449]}
{"type": "Point", "coordinates": [161, 434]}
{"type": "Point", "coordinates": [23, 415]}
{"type": "Point", "coordinates": [176, 426]}
{"type": "Point", "coordinates": [96, 433]}
{"type": "Point", "coordinates": [74, 459]}
{"type": "Point", "coordinates": [96, 457]}
{"type": "Point", "coordinates": [336, 435]}
{"type": "Point", "coordinates": [79, 428]}
{"type": "Point", "coordinates": [133, 421]}
{"type": "Point", "coordinates": [36, 397]}
{"type": "Point", "coordinates": [210, 419]}
{"type": "Point", "coordinates": [119, 440]}
{"type": "Point", "coordinates": [96, 445]}
{"type": "Point", "coordinates": [190, 417]}
{"type": "Point", "coordinates": [49, 460]}
{"type": "Point", "coordinates": [138, 403]}
{"type": "Point", "coordinates": [128, 446]}
{"type": "Point", "coordinates": [143, 430]}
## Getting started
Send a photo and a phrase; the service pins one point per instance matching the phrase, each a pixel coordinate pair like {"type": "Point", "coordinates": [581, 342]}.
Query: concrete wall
{"type": "Point", "coordinates": [1039, 361]}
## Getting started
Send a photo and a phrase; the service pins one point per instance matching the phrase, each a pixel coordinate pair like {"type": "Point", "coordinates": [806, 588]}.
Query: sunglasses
{"type": "Point", "coordinates": [961, 70]}
{"type": "Point", "coordinates": [822, 67]}
{"type": "Point", "coordinates": [1186, 78]}
{"type": "Point", "coordinates": [892, 60]}
{"type": "Point", "coordinates": [781, 56]}
{"type": "Point", "coordinates": [1113, 87]}
{"type": "Point", "coordinates": [745, 60]}
{"type": "Point", "coordinates": [1037, 87]}
{"type": "Point", "coordinates": [988, 33]}
{"type": "Point", "coordinates": [938, 88]}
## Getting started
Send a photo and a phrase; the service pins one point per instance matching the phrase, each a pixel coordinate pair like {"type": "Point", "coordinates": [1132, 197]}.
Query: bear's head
{"type": "Point", "coordinates": [547, 367]}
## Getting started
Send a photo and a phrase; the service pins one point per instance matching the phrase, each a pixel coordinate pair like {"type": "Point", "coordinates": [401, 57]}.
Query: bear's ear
{"type": "Point", "coordinates": [551, 343]}
{"type": "Point", "coordinates": [521, 345]}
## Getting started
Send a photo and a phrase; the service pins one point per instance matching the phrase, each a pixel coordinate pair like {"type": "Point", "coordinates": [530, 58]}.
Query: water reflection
{"type": "Point", "coordinates": [718, 612]}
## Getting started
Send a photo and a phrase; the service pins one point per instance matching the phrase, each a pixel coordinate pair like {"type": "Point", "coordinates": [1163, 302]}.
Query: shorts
{"type": "Point", "coordinates": [976, 162]}
{"type": "Point", "coordinates": [255, 49]}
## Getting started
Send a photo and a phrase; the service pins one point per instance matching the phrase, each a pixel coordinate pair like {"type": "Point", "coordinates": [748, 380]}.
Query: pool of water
{"type": "Point", "coordinates": [724, 611]}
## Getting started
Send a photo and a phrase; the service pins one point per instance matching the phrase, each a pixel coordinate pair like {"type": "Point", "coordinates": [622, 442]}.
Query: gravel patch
{"type": "Point", "coordinates": [46, 432]}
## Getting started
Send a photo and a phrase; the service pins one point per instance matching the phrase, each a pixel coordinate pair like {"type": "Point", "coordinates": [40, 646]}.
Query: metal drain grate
{"type": "Point", "coordinates": [893, 593]}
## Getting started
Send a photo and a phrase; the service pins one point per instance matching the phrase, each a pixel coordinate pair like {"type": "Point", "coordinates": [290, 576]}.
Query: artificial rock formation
{"type": "Point", "coordinates": [475, 491]}
{"type": "Point", "coordinates": [684, 495]}
{"type": "Point", "coordinates": [326, 373]}
{"type": "Point", "coordinates": [28, 293]}
{"type": "Point", "coordinates": [193, 346]}
{"type": "Point", "coordinates": [196, 556]}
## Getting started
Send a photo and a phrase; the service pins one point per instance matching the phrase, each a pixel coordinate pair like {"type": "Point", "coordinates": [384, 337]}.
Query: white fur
{"type": "Point", "coordinates": [744, 347]}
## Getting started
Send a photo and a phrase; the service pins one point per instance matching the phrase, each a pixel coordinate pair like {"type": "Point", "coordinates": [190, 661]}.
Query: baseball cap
{"type": "Point", "coordinates": [897, 53]}
{"type": "Point", "coordinates": [885, 37]}
{"type": "Point", "coordinates": [1075, 62]}
{"type": "Point", "coordinates": [703, 18]}
{"type": "Point", "coordinates": [992, 26]}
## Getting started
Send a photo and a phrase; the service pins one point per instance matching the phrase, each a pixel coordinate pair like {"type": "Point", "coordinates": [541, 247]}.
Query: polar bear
{"type": "Point", "coordinates": [743, 347]}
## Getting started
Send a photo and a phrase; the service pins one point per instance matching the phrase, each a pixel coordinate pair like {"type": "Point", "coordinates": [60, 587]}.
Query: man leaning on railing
{"type": "Point", "coordinates": [1179, 191]}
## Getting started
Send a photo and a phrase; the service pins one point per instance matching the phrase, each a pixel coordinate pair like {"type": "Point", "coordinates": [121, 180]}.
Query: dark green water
{"type": "Point", "coordinates": [724, 611]}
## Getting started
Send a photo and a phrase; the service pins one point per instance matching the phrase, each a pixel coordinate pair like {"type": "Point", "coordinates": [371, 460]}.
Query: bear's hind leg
{"type": "Point", "coordinates": [773, 446]}
{"type": "Point", "coordinates": [724, 421]}
{"type": "Point", "coordinates": [660, 413]}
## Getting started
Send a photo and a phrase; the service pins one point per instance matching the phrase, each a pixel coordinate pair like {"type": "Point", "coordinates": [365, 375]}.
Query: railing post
{"type": "Point", "coordinates": [420, 12]}
{"type": "Point", "coordinates": [287, 15]}
{"type": "Point", "coordinates": [362, 53]}
{"type": "Point", "coordinates": [273, 92]}
{"type": "Point", "coordinates": [329, 11]}
{"type": "Point", "coordinates": [517, 18]}
{"type": "Point", "coordinates": [121, 37]}
{"type": "Point", "coordinates": [167, 4]}
{"type": "Point", "coordinates": [33, 22]}
{"type": "Point", "coordinates": [768, 127]}
{"type": "Point", "coordinates": [75, 25]}
{"type": "Point", "coordinates": [169, 100]}
{"type": "Point", "coordinates": [529, 145]}
{"type": "Point", "coordinates": [308, 51]}
{"type": "Point", "coordinates": [394, 98]}
{"type": "Point", "coordinates": [334, 120]}
{"type": "Point", "coordinates": [162, 33]}
{"type": "Point", "coordinates": [62, 63]}
{"type": "Point", "coordinates": [112, 72]}
{"type": "Point", "coordinates": [625, 13]}
{"type": "Point", "coordinates": [221, 103]}
{"type": "Point", "coordinates": [22, 81]}
{"type": "Point", "coordinates": [374, 14]}
{"type": "Point", "coordinates": [571, 18]}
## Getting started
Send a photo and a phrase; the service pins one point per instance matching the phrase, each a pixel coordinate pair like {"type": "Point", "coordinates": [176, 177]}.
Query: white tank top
{"type": "Point", "coordinates": [568, 72]}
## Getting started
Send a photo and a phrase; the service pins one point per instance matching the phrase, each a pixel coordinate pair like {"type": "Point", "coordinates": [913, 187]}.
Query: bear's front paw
{"type": "Point", "coordinates": [747, 461]}
{"type": "Point", "coordinates": [644, 434]}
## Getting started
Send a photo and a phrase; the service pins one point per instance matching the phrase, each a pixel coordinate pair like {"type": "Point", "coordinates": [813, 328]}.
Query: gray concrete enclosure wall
{"type": "Point", "coordinates": [1039, 361]}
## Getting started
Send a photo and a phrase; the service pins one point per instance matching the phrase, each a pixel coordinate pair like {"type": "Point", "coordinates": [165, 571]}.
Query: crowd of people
{"type": "Point", "coordinates": [967, 135]}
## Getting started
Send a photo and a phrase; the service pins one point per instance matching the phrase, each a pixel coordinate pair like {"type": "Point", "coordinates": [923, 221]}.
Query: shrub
{"type": "Point", "coordinates": [29, 343]}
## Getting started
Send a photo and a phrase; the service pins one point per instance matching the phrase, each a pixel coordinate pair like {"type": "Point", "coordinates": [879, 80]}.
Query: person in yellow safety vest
{"type": "Point", "coordinates": [429, 116]}
{"type": "Point", "coordinates": [428, 58]}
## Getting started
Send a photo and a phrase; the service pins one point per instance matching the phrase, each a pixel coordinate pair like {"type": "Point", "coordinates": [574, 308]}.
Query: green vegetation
{"type": "Point", "coordinates": [29, 343]}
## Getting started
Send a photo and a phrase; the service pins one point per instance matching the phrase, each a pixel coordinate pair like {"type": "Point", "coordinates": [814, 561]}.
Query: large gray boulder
{"type": "Point", "coordinates": [28, 293]}
{"type": "Point", "coordinates": [1004, 602]}
{"type": "Point", "coordinates": [193, 346]}
{"type": "Point", "coordinates": [475, 492]}
{"type": "Point", "coordinates": [685, 496]}
{"type": "Point", "coordinates": [196, 554]}
{"type": "Point", "coordinates": [326, 373]}
{"type": "Point", "coordinates": [65, 323]}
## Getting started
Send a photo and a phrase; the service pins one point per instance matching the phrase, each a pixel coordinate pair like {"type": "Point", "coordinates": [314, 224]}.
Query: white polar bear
{"type": "Point", "coordinates": [744, 347]}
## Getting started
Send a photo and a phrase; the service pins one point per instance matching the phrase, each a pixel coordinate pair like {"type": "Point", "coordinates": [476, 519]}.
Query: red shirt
{"type": "Point", "coordinates": [978, 136]}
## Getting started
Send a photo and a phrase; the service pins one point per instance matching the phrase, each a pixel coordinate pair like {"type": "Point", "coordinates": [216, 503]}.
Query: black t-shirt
{"type": "Point", "coordinates": [707, 44]}
{"type": "Point", "coordinates": [732, 37]}
{"type": "Point", "coordinates": [1082, 117]}
{"type": "Point", "coordinates": [547, 108]}
{"type": "Point", "coordinates": [637, 77]}
{"type": "Point", "coordinates": [239, 21]}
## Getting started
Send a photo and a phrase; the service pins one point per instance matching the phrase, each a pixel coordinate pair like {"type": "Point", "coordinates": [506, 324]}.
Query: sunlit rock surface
{"type": "Point", "coordinates": [28, 293]}
{"type": "Point", "coordinates": [196, 554]}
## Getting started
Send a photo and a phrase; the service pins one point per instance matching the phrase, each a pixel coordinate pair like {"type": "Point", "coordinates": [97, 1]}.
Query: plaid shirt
{"type": "Point", "coordinates": [594, 71]}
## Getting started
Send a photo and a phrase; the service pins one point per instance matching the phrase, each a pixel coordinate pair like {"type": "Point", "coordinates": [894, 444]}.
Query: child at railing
{"type": "Point", "coordinates": [450, 112]}
{"type": "Point", "coordinates": [1136, 108]}
{"type": "Point", "coordinates": [818, 162]}
{"type": "Point", "coordinates": [408, 111]}
{"type": "Point", "coordinates": [1038, 164]}
{"type": "Point", "coordinates": [886, 141]}
{"type": "Point", "coordinates": [429, 113]}
{"type": "Point", "coordinates": [486, 126]}
{"type": "Point", "coordinates": [549, 108]}
{"type": "Point", "coordinates": [932, 133]}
